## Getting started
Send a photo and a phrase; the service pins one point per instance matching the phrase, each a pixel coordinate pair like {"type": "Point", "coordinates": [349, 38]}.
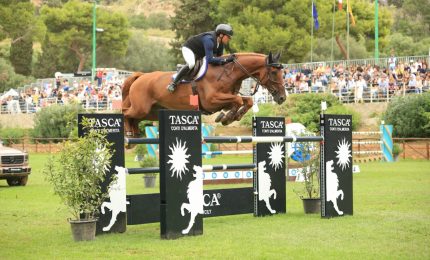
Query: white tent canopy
{"type": "Point", "coordinates": [11, 92]}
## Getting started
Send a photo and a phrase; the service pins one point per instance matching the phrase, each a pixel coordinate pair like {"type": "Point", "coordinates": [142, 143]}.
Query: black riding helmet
{"type": "Point", "coordinates": [224, 29]}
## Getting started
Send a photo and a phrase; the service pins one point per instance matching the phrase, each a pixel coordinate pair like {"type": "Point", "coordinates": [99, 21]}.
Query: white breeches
{"type": "Point", "coordinates": [189, 57]}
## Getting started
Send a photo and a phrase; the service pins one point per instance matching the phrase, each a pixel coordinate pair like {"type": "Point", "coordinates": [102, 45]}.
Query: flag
{"type": "Point", "coordinates": [315, 16]}
{"type": "Point", "coordinates": [339, 5]}
{"type": "Point", "coordinates": [350, 14]}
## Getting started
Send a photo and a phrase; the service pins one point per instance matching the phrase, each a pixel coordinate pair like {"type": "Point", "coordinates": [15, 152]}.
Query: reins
{"type": "Point", "coordinates": [244, 70]}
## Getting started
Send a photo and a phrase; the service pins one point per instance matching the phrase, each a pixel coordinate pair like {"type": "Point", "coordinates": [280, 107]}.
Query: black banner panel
{"type": "Point", "coordinates": [112, 217]}
{"type": "Point", "coordinates": [270, 181]}
{"type": "Point", "coordinates": [336, 165]}
{"type": "Point", "coordinates": [145, 208]}
{"type": "Point", "coordinates": [181, 174]}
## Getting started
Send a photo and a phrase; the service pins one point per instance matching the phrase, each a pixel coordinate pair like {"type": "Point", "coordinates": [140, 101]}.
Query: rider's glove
{"type": "Point", "coordinates": [230, 58]}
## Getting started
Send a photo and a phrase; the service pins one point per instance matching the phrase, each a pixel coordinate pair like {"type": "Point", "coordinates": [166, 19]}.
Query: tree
{"type": "Point", "coordinates": [191, 17]}
{"type": "Point", "coordinates": [146, 55]}
{"type": "Point", "coordinates": [52, 59]}
{"type": "Point", "coordinates": [22, 27]}
{"type": "Point", "coordinates": [21, 56]}
{"type": "Point", "coordinates": [285, 26]}
{"type": "Point", "coordinates": [9, 79]}
{"type": "Point", "coordinates": [70, 29]}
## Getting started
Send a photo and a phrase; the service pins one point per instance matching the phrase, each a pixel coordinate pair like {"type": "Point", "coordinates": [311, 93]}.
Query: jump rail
{"type": "Point", "coordinates": [206, 168]}
{"type": "Point", "coordinates": [236, 139]}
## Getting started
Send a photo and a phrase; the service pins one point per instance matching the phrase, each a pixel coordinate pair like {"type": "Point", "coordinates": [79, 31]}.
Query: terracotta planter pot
{"type": "Point", "coordinates": [83, 230]}
{"type": "Point", "coordinates": [312, 206]}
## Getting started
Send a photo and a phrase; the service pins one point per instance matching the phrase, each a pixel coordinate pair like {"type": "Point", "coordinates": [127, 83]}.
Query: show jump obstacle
{"type": "Point", "coordinates": [182, 202]}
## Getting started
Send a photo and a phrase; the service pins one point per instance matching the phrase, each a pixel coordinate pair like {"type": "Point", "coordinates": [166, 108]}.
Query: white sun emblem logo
{"type": "Point", "coordinates": [178, 158]}
{"type": "Point", "coordinates": [276, 155]}
{"type": "Point", "coordinates": [343, 154]}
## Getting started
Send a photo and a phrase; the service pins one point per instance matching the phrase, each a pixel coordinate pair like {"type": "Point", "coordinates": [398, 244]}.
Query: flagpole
{"type": "Point", "coordinates": [376, 33]}
{"type": "Point", "coordinates": [312, 29]}
{"type": "Point", "coordinates": [347, 31]}
{"type": "Point", "coordinates": [332, 32]}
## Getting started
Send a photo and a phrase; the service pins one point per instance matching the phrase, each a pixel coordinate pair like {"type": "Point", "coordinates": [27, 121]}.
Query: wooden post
{"type": "Point", "coordinates": [428, 151]}
{"type": "Point", "coordinates": [404, 151]}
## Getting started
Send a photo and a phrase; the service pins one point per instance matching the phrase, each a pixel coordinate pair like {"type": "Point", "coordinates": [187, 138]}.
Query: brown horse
{"type": "Point", "coordinates": [143, 94]}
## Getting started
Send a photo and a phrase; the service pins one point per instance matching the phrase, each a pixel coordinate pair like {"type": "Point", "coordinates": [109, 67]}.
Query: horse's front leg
{"type": "Point", "coordinates": [247, 104]}
{"type": "Point", "coordinates": [230, 116]}
{"type": "Point", "coordinates": [225, 100]}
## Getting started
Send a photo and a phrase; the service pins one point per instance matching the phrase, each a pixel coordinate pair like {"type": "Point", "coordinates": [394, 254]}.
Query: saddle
{"type": "Point", "coordinates": [196, 73]}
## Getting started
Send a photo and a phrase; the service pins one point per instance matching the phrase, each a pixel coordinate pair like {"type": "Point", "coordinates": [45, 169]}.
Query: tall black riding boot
{"type": "Point", "coordinates": [182, 72]}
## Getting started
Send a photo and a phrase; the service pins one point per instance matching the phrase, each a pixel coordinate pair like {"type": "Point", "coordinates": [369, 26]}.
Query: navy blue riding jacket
{"type": "Point", "coordinates": [205, 44]}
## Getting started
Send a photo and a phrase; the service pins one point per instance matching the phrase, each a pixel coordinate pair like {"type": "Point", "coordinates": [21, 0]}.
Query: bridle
{"type": "Point", "coordinates": [271, 90]}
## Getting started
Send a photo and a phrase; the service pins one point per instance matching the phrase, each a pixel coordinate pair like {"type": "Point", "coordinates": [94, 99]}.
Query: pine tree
{"type": "Point", "coordinates": [21, 55]}
{"type": "Point", "coordinates": [191, 18]}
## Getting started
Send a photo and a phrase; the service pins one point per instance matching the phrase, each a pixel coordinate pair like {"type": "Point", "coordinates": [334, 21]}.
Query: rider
{"type": "Point", "coordinates": [207, 44]}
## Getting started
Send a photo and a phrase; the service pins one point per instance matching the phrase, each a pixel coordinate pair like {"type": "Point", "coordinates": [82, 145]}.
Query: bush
{"type": "Point", "coordinates": [141, 150]}
{"type": "Point", "coordinates": [139, 21]}
{"type": "Point", "coordinates": [56, 121]}
{"type": "Point", "coordinates": [343, 110]}
{"type": "Point", "coordinates": [410, 116]}
{"type": "Point", "coordinates": [306, 108]}
{"type": "Point", "coordinates": [264, 110]}
{"type": "Point", "coordinates": [301, 108]}
{"type": "Point", "coordinates": [397, 149]}
{"type": "Point", "coordinates": [12, 135]}
{"type": "Point", "coordinates": [155, 20]}
{"type": "Point", "coordinates": [149, 161]}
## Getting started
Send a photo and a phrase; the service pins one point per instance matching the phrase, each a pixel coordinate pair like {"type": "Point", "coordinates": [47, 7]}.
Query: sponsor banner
{"type": "Point", "coordinates": [270, 181]}
{"type": "Point", "coordinates": [181, 174]}
{"type": "Point", "coordinates": [145, 208]}
{"type": "Point", "coordinates": [336, 165]}
{"type": "Point", "coordinates": [113, 125]}
{"type": "Point", "coordinates": [224, 202]}
{"type": "Point", "coordinates": [227, 175]}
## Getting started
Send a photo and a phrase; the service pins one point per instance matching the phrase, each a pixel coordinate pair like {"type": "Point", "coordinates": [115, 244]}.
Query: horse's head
{"type": "Point", "coordinates": [272, 80]}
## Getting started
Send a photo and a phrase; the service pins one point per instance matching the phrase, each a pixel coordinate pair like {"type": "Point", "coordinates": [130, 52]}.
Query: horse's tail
{"type": "Point", "coordinates": [128, 82]}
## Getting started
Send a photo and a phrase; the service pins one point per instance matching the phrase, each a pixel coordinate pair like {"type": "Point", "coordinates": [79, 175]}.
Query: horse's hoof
{"type": "Point", "coordinates": [219, 117]}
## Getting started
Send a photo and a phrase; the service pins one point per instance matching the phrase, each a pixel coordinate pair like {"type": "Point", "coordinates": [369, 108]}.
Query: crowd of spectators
{"type": "Point", "coordinates": [353, 83]}
{"type": "Point", "coordinates": [360, 83]}
{"type": "Point", "coordinates": [99, 94]}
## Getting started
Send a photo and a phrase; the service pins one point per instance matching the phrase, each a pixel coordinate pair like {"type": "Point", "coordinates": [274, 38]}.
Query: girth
{"type": "Point", "coordinates": [195, 92]}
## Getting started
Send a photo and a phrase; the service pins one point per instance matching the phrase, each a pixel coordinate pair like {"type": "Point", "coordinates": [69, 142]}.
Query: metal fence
{"type": "Point", "coordinates": [362, 62]}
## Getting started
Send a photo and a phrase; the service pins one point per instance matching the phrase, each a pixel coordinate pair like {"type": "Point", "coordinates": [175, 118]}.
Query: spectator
{"type": "Point", "coordinates": [419, 85]}
{"type": "Point", "coordinates": [412, 84]}
{"type": "Point", "coordinates": [392, 61]}
{"type": "Point", "coordinates": [360, 86]}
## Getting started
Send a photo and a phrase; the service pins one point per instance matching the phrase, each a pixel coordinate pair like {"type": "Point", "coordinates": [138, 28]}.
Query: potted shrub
{"type": "Point", "coordinates": [309, 192]}
{"type": "Point", "coordinates": [397, 150]}
{"type": "Point", "coordinates": [149, 178]}
{"type": "Point", "coordinates": [140, 152]}
{"type": "Point", "coordinates": [76, 173]}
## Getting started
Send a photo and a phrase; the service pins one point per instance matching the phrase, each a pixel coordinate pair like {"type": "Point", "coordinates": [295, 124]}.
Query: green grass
{"type": "Point", "coordinates": [391, 220]}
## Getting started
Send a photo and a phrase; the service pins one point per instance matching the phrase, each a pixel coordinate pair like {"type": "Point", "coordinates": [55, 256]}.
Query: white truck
{"type": "Point", "coordinates": [14, 166]}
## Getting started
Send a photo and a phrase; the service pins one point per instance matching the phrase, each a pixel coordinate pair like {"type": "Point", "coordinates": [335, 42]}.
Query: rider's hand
{"type": "Point", "coordinates": [230, 58]}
